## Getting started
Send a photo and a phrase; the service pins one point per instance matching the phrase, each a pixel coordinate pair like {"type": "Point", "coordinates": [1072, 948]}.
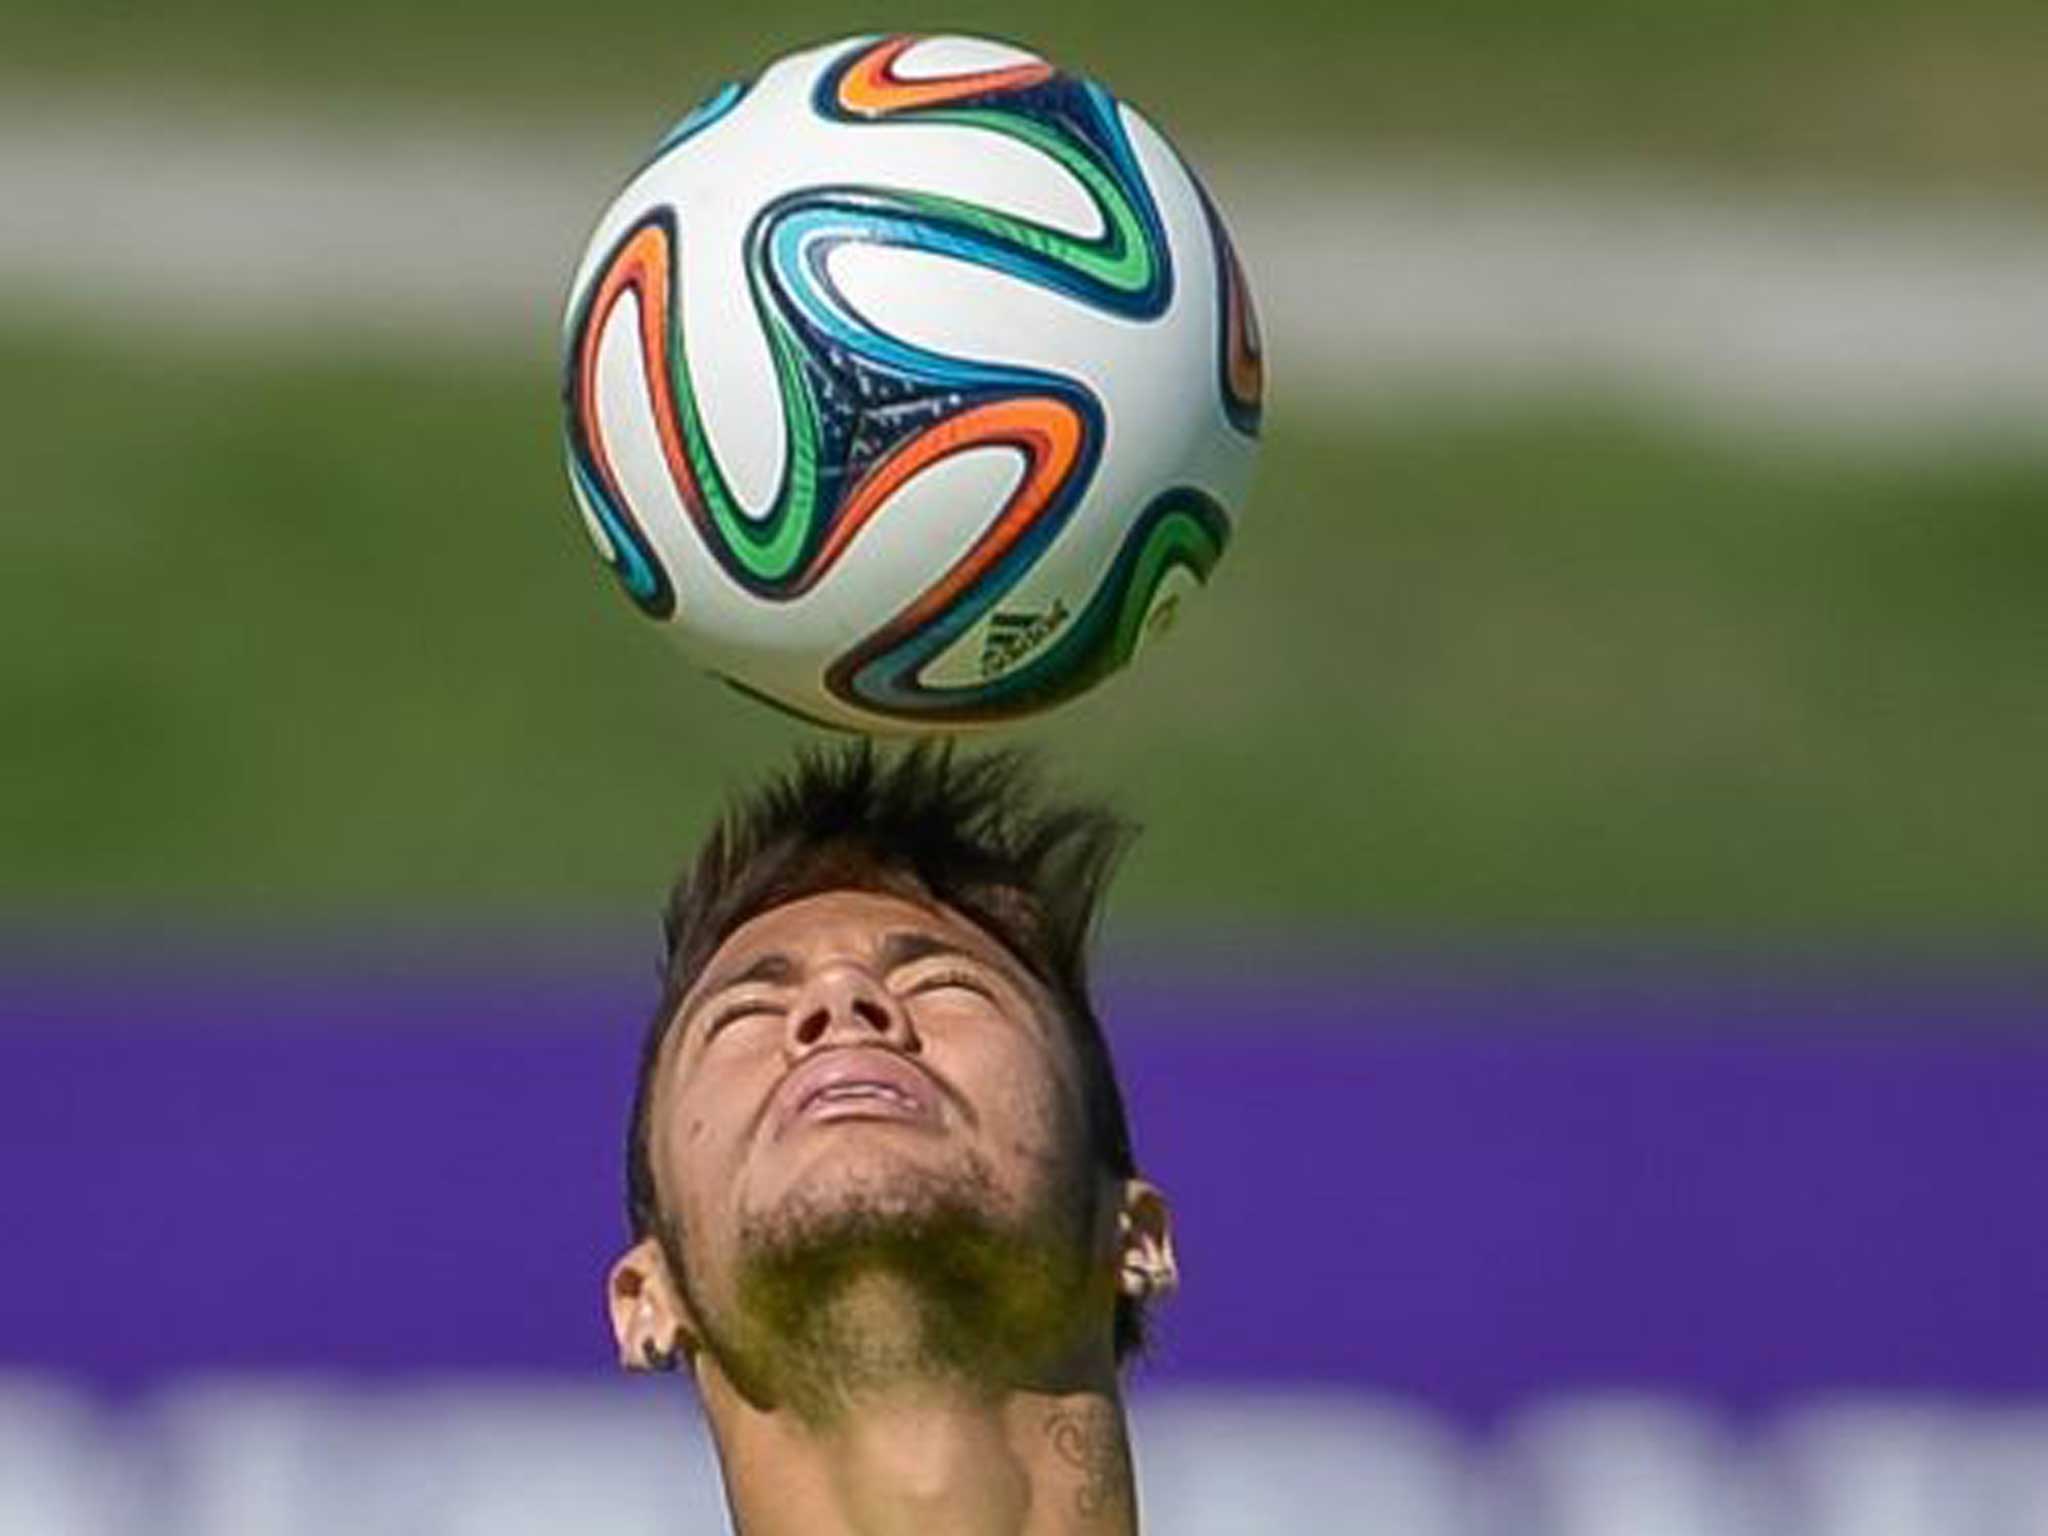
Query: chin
{"type": "Point", "coordinates": [864, 1183]}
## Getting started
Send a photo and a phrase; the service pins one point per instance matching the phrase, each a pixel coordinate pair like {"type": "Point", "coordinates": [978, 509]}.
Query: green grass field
{"type": "Point", "coordinates": [1943, 94]}
{"type": "Point", "coordinates": [327, 640]}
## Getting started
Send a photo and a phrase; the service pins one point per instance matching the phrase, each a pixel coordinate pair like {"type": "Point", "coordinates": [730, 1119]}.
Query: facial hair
{"type": "Point", "coordinates": [913, 1273]}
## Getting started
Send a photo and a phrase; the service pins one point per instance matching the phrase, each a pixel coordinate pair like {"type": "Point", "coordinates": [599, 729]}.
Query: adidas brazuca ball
{"type": "Point", "coordinates": [913, 384]}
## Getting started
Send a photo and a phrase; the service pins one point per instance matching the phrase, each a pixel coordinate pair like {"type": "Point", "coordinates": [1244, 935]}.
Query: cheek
{"type": "Point", "coordinates": [713, 1110]}
{"type": "Point", "coordinates": [1023, 1102]}
{"type": "Point", "coordinates": [692, 1155]}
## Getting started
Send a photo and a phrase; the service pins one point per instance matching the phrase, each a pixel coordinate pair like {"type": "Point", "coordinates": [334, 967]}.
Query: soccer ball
{"type": "Point", "coordinates": [912, 384]}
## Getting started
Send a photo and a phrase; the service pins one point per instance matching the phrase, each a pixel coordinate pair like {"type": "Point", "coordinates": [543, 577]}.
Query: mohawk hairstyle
{"type": "Point", "coordinates": [971, 833]}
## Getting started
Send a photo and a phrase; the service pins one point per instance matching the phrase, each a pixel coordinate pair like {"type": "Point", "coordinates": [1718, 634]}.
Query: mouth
{"type": "Point", "coordinates": [859, 1101]}
{"type": "Point", "coordinates": [858, 1084]}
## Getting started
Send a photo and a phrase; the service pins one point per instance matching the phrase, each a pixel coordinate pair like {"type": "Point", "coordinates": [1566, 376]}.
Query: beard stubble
{"type": "Point", "coordinates": [896, 1272]}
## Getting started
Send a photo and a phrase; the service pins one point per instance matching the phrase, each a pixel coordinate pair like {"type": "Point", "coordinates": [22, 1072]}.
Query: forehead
{"type": "Point", "coordinates": [852, 923]}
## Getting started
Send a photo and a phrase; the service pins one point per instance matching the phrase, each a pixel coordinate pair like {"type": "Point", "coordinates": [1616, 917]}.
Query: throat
{"type": "Point", "coordinates": [919, 1460]}
{"type": "Point", "coordinates": [928, 1460]}
{"type": "Point", "coordinates": [878, 1343]}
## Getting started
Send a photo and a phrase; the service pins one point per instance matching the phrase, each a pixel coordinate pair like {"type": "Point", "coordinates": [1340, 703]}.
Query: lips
{"type": "Point", "coordinates": [856, 1082]}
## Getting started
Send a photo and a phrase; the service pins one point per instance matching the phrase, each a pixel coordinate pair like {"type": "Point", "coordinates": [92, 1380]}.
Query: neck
{"type": "Point", "coordinates": [965, 1385]}
{"type": "Point", "coordinates": [927, 1456]}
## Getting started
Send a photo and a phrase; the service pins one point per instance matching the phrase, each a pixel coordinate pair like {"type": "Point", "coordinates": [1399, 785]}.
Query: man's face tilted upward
{"type": "Point", "coordinates": [865, 1089]}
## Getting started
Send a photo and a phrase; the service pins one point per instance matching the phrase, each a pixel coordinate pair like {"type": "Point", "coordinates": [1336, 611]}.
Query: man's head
{"type": "Point", "coordinates": [875, 1059]}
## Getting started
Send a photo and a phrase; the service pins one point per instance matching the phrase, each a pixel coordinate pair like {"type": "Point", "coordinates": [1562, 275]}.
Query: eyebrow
{"type": "Point", "coordinates": [909, 945]}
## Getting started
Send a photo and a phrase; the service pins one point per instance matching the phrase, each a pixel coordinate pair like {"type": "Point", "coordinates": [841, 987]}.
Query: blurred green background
{"type": "Point", "coordinates": [317, 634]}
{"type": "Point", "coordinates": [1881, 88]}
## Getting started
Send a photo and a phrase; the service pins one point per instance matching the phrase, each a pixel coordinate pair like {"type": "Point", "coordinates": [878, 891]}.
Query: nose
{"type": "Point", "coordinates": [847, 1005]}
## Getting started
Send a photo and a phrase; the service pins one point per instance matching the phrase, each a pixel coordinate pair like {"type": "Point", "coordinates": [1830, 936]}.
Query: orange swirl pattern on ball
{"type": "Point", "coordinates": [644, 267]}
{"type": "Point", "coordinates": [872, 88]}
{"type": "Point", "coordinates": [1052, 436]}
{"type": "Point", "coordinates": [1048, 431]}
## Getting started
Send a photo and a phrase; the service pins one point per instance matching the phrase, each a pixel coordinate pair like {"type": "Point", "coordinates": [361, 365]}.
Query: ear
{"type": "Point", "coordinates": [649, 1319]}
{"type": "Point", "coordinates": [1146, 1268]}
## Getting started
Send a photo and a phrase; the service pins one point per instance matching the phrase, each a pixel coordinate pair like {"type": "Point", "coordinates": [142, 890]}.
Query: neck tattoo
{"type": "Point", "coordinates": [1089, 1438]}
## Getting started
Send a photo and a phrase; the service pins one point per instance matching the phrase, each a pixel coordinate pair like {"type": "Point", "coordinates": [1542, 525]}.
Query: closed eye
{"type": "Point", "coordinates": [733, 1012]}
{"type": "Point", "coordinates": [939, 981]}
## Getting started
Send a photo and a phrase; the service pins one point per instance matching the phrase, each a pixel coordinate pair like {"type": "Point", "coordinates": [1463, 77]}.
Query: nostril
{"type": "Point", "coordinates": [844, 1000]}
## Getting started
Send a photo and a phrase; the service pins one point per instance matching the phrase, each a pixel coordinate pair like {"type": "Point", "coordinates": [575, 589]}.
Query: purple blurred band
{"type": "Point", "coordinates": [1463, 1190]}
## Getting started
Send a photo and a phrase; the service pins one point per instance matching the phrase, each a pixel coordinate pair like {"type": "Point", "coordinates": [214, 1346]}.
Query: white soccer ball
{"type": "Point", "coordinates": [911, 384]}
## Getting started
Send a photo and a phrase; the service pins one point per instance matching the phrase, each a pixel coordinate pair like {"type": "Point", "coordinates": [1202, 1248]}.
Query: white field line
{"type": "Point", "coordinates": [1377, 282]}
